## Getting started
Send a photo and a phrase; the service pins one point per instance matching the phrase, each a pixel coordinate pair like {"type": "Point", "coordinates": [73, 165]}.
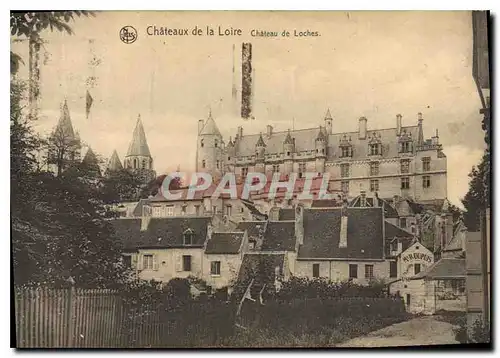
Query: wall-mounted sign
{"type": "Point", "coordinates": [417, 256]}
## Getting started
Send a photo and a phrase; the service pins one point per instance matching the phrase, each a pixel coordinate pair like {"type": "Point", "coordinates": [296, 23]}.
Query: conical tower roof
{"type": "Point", "coordinates": [210, 127]}
{"type": "Point", "coordinates": [139, 145]}
{"type": "Point", "coordinates": [64, 126]}
{"type": "Point", "coordinates": [328, 115]}
{"type": "Point", "coordinates": [90, 161]}
{"type": "Point", "coordinates": [321, 134]}
{"type": "Point", "coordinates": [114, 162]}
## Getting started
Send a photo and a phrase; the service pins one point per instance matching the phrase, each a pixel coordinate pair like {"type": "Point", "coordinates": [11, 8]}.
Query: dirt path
{"type": "Point", "coordinates": [418, 331]}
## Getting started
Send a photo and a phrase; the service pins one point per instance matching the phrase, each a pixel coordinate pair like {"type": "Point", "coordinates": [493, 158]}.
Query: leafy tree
{"type": "Point", "coordinates": [121, 185]}
{"type": "Point", "coordinates": [478, 196]}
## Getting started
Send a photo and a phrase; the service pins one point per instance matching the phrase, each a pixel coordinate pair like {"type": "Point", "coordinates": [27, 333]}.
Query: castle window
{"type": "Point", "coordinates": [218, 164]}
{"type": "Point", "coordinates": [188, 237]}
{"type": "Point", "coordinates": [136, 163]}
{"type": "Point", "coordinates": [144, 164]}
{"type": "Point", "coordinates": [203, 163]}
{"type": "Point", "coordinates": [426, 181]}
{"type": "Point", "coordinates": [244, 171]}
{"type": "Point", "coordinates": [344, 185]}
{"type": "Point", "coordinates": [276, 168]}
{"type": "Point", "coordinates": [426, 164]}
{"type": "Point", "coordinates": [406, 147]}
{"type": "Point", "coordinates": [228, 158]}
{"type": "Point", "coordinates": [323, 151]}
{"type": "Point", "coordinates": [302, 169]}
{"type": "Point", "coordinates": [202, 144]}
{"type": "Point", "coordinates": [344, 170]}
{"type": "Point", "coordinates": [374, 185]}
{"type": "Point", "coordinates": [216, 143]}
{"type": "Point", "coordinates": [288, 153]}
{"type": "Point", "coordinates": [405, 166]}
{"type": "Point", "coordinates": [405, 183]}
{"type": "Point", "coordinates": [374, 168]}
{"type": "Point", "coordinates": [346, 152]}
{"type": "Point", "coordinates": [375, 149]}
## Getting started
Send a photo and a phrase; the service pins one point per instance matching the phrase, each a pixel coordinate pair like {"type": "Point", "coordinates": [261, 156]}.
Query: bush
{"type": "Point", "coordinates": [479, 332]}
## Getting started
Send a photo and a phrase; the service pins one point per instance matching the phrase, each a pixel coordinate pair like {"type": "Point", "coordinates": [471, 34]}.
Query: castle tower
{"type": "Point", "coordinates": [138, 158]}
{"type": "Point", "coordinates": [328, 122]}
{"type": "Point", "coordinates": [260, 150]}
{"type": "Point", "coordinates": [65, 144]}
{"type": "Point", "coordinates": [210, 151]}
{"type": "Point", "coordinates": [288, 149]}
{"type": "Point", "coordinates": [91, 163]}
{"type": "Point", "coordinates": [320, 145]}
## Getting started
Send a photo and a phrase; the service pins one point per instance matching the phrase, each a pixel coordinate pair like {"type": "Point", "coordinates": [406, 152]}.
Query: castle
{"type": "Point", "coordinates": [397, 161]}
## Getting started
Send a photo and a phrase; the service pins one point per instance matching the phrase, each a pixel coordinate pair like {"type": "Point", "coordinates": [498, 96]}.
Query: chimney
{"type": "Point", "coordinates": [240, 132]}
{"type": "Point", "coordinates": [435, 139]}
{"type": "Point", "coordinates": [299, 224]}
{"type": "Point", "coordinates": [343, 226]}
{"type": "Point", "coordinates": [395, 200]}
{"type": "Point", "coordinates": [269, 130]}
{"type": "Point", "coordinates": [201, 123]}
{"type": "Point", "coordinates": [398, 124]}
{"type": "Point", "coordinates": [362, 128]}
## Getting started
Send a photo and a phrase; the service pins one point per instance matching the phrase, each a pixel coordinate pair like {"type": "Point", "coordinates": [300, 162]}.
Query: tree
{"type": "Point", "coordinates": [478, 196]}
{"type": "Point", "coordinates": [154, 186]}
{"type": "Point", "coordinates": [121, 185]}
{"type": "Point", "coordinates": [62, 149]}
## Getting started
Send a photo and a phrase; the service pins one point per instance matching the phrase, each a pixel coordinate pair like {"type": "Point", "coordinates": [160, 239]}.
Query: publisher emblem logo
{"type": "Point", "coordinates": [128, 34]}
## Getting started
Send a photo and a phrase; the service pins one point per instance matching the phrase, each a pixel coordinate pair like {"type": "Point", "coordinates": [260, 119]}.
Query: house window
{"type": "Point", "coordinates": [302, 169]}
{"type": "Point", "coordinates": [197, 210]}
{"type": "Point", "coordinates": [218, 164]}
{"type": "Point", "coordinates": [214, 209]}
{"type": "Point", "coordinates": [184, 209]}
{"type": "Point", "coordinates": [344, 170]}
{"type": "Point", "coordinates": [375, 149]}
{"type": "Point", "coordinates": [405, 166]}
{"type": "Point", "coordinates": [228, 210]}
{"type": "Point", "coordinates": [426, 181]}
{"type": "Point", "coordinates": [244, 171]}
{"type": "Point", "coordinates": [203, 163]}
{"type": "Point", "coordinates": [344, 186]}
{"type": "Point", "coordinates": [353, 271]}
{"type": "Point", "coordinates": [228, 158]}
{"type": "Point", "coordinates": [169, 211]}
{"type": "Point", "coordinates": [147, 262]}
{"type": "Point", "coordinates": [188, 237]}
{"type": "Point", "coordinates": [426, 164]}
{"type": "Point", "coordinates": [346, 152]}
{"type": "Point", "coordinates": [186, 262]}
{"type": "Point", "coordinates": [402, 223]}
{"type": "Point", "coordinates": [417, 268]}
{"type": "Point", "coordinates": [215, 268]}
{"type": "Point", "coordinates": [405, 147]}
{"type": "Point", "coordinates": [393, 269]}
{"type": "Point", "coordinates": [405, 183]}
{"type": "Point", "coordinates": [202, 144]}
{"type": "Point", "coordinates": [315, 270]}
{"type": "Point", "coordinates": [374, 168]}
{"type": "Point", "coordinates": [374, 185]}
{"type": "Point", "coordinates": [369, 271]}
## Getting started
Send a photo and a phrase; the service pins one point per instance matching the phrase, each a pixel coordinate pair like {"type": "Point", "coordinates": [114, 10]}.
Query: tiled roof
{"type": "Point", "coordinates": [322, 234]}
{"type": "Point", "coordinates": [161, 232]}
{"type": "Point", "coordinates": [446, 268]}
{"type": "Point", "coordinates": [392, 231]}
{"type": "Point", "coordinates": [326, 203]}
{"type": "Point", "coordinates": [305, 140]}
{"type": "Point", "coordinates": [279, 236]}
{"type": "Point", "coordinates": [224, 243]}
{"type": "Point", "coordinates": [253, 227]}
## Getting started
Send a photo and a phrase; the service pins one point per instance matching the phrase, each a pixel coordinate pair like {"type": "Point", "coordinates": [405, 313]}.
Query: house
{"type": "Point", "coordinates": [164, 248]}
{"type": "Point", "coordinates": [223, 255]}
{"type": "Point", "coordinates": [341, 244]}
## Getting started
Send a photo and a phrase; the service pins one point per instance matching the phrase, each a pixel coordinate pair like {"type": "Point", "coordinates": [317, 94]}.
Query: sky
{"type": "Point", "coordinates": [374, 64]}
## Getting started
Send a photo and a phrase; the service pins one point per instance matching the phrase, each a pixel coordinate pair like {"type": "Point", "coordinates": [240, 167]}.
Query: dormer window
{"type": "Point", "coordinates": [188, 237]}
{"type": "Point", "coordinates": [405, 142]}
{"type": "Point", "coordinates": [345, 147]}
{"type": "Point", "coordinates": [375, 145]}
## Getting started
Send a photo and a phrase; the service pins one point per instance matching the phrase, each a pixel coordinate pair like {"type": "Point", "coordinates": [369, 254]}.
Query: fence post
{"type": "Point", "coordinates": [70, 317]}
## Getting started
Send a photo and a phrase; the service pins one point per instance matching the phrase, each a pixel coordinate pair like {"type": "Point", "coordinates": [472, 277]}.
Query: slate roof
{"type": "Point", "coordinates": [279, 236]}
{"type": "Point", "coordinates": [161, 232]}
{"type": "Point", "coordinates": [224, 243]}
{"type": "Point", "coordinates": [210, 127]}
{"type": "Point", "coordinates": [114, 162]}
{"type": "Point", "coordinates": [253, 227]}
{"type": "Point", "coordinates": [326, 203]}
{"type": "Point", "coordinates": [305, 140]}
{"type": "Point", "coordinates": [446, 268]}
{"type": "Point", "coordinates": [138, 145]}
{"type": "Point", "coordinates": [389, 210]}
{"type": "Point", "coordinates": [322, 234]}
{"type": "Point", "coordinates": [64, 126]}
{"type": "Point", "coordinates": [392, 231]}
